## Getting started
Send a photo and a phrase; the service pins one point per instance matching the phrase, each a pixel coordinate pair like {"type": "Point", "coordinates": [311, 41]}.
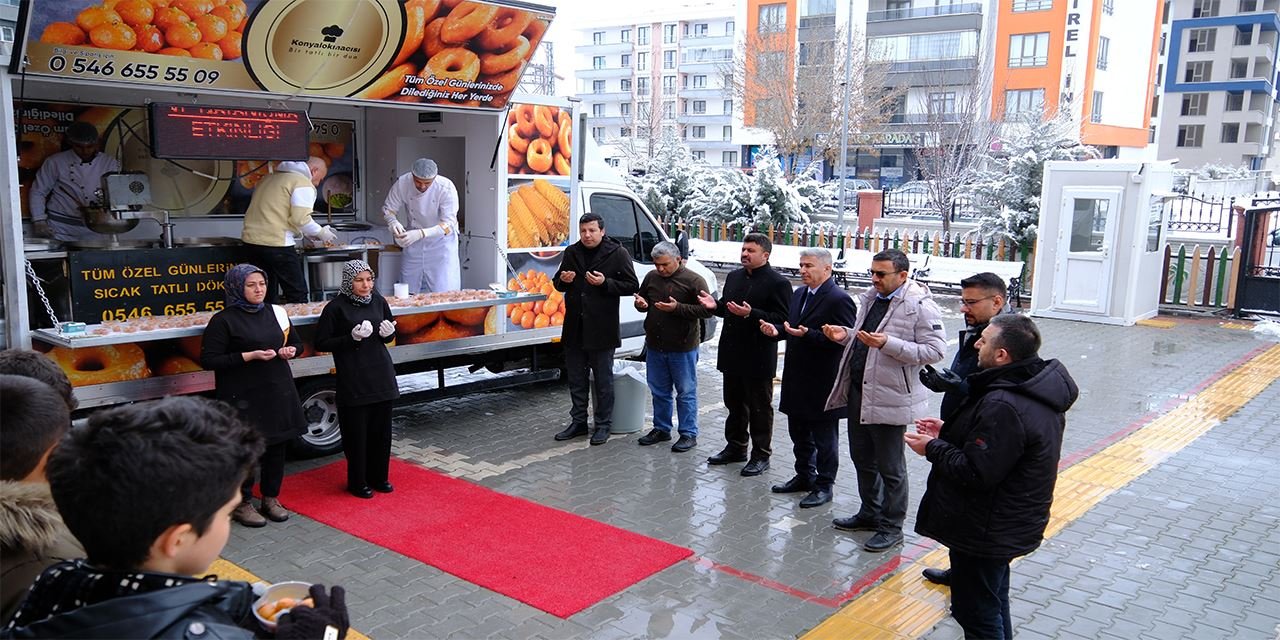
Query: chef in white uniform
{"type": "Point", "coordinates": [430, 237]}
{"type": "Point", "coordinates": [67, 181]}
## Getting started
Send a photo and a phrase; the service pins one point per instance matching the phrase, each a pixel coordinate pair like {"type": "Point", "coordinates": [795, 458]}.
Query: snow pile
{"type": "Point", "coordinates": [1267, 330]}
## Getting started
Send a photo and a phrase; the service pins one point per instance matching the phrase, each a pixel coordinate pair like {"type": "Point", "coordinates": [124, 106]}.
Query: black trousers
{"type": "Point", "coordinates": [980, 596]}
{"type": "Point", "coordinates": [271, 470]}
{"type": "Point", "coordinates": [590, 370]}
{"type": "Point", "coordinates": [366, 442]}
{"type": "Point", "coordinates": [283, 267]}
{"type": "Point", "coordinates": [749, 401]}
{"type": "Point", "coordinates": [880, 462]}
{"type": "Point", "coordinates": [816, 444]}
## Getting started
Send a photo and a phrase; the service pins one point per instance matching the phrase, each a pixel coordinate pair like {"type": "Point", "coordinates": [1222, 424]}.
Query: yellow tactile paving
{"type": "Point", "coordinates": [904, 607]}
{"type": "Point", "coordinates": [227, 570]}
{"type": "Point", "coordinates": [1158, 323]}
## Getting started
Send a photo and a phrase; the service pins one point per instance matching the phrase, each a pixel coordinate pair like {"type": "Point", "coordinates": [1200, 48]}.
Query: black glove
{"type": "Point", "coordinates": [309, 623]}
{"type": "Point", "coordinates": [940, 381]}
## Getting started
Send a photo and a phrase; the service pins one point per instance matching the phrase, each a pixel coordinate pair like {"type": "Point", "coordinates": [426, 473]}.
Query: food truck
{"type": "Point", "coordinates": [199, 99]}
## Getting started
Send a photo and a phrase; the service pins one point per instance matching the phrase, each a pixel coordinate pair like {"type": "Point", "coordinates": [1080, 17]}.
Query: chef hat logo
{"type": "Point", "coordinates": [331, 33]}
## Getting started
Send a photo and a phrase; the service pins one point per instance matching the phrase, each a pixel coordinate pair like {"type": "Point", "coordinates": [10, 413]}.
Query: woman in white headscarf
{"type": "Point", "coordinates": [355, 327]}
{"type": "Point", "coordinates": [429, 236]}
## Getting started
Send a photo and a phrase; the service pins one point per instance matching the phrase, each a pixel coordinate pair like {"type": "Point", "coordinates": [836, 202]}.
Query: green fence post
{"type": "Point", "coordinates": [1178, 269]}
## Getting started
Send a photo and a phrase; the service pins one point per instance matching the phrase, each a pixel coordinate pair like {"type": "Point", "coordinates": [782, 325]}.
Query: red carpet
{"type": "Point", "coordinates": [556, 561]}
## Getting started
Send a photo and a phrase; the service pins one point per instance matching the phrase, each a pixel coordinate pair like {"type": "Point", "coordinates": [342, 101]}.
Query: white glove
{"type": "Point", "coordinates": [361, 331]}
{"type": "Point", "coordinates": [386, 328]}
{"type": "Point", "coordinates": [409, 237]}
{"type": "Point", "coordinates": [395, 228]}
{"type": "Point", "coordinates": [327, 235]}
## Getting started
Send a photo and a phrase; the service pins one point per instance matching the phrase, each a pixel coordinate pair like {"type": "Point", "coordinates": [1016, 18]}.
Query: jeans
{"type": "Point", "coordinates": [980, 596]}
{"type": "Point", "coordinates": [283, 266]}
{"type": "Point", "coordinates": [366, 441]}
{"type": "Point", "coordinates": [678, 369]}
{"type": "Point", "coordinates": [599, 364]}
{"type": "Point", "coordinates": [750, 404]}
{"type": "Point", "coordinates": [816, 444]}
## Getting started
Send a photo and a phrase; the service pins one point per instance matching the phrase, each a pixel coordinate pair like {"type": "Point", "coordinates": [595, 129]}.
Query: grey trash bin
{"type": "Point", "coordinates": [630, 396]}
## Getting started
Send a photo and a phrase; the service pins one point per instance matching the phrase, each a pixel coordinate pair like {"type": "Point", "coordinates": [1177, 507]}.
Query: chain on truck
{"type": "Point", "coordinates": [194, 111]}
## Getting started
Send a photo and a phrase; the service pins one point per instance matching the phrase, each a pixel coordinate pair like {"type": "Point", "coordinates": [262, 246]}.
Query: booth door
{"type": "Point", "coordinates": [1086, 241]}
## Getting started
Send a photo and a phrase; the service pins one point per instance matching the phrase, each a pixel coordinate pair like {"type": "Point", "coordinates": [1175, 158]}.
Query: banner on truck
{"type": "Point", "coordinates": [468, 54]}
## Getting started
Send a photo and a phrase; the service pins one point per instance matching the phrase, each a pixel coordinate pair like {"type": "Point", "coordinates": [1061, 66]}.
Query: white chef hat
{"type": "Point", "coordinates": [425, 169]}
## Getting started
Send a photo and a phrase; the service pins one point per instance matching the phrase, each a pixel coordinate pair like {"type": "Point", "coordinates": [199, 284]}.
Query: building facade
{"type": "Point", "coordinates": [1218, 102]}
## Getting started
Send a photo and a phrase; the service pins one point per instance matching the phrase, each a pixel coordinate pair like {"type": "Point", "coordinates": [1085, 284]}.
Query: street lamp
{"type": "Point", "coordinates": [844, 114]}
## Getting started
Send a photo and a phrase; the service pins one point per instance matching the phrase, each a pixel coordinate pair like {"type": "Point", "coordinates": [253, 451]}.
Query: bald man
{"type": "Point", "coordinates": [281, 210]}
{"type": "Point", "coordinates": [430, 237]}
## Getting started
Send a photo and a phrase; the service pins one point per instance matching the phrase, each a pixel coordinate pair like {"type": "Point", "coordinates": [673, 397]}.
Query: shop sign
{"type": "Point", "coordinates": [889, 139]}
{"type": "Point", "coordinates": [468, 54]}
{"type": "Point", "coordinates": [111, 286]}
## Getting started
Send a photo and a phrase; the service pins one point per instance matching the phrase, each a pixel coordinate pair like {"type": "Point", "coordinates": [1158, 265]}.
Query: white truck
{"type": "Point", "coordinates": [144, 292]}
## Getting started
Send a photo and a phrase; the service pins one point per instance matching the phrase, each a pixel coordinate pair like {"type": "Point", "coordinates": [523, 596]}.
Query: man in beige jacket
{"type": "Point", "coordinates": [278, 213]}
{"type": "Point", "coordinates": [898, 330]}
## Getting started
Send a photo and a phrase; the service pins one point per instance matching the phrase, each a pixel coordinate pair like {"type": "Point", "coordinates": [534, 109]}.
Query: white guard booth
{"type": "Point", "coordinates": [1102, 238]}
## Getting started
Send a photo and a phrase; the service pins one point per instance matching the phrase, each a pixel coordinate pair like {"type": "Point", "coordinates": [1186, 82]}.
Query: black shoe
{"type": "Point", "coordinates": [600, 435]}
{"type": "Point", "coordinates": [383, 487]}
{"type": "Point", "coordinates": [756, 467]}
{"type": "Point", "coordinates": [685, 443]}
{"type": "Point", "coordinates": [727, 456]}
{"type": "Point", "coordinates": [571, 432]}
{"type": "Point", "coordinates": [794, 485]}
{"type": "Point", "coordinates": [361, 492]}
{"type": "Point", "coordinates": [854, 523]}
{"type": "Point", "coordinates": [883, 540]}
{"type": "Point", "coordinates": [938, 576]}
{"type": "Point", "coordinates": [816, 498]}
{"type": "Point", "coordinates": [654, 437]}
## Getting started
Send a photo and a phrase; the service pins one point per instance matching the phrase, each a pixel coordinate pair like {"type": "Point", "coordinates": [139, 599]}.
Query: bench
{"type": "Point", "coordinates": [948, 272]}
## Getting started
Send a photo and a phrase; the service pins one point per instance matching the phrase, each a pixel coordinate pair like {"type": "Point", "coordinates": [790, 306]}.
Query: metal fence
{"type": "Point", "coordinates": [1199, 212]}
{"type": "Point", "coordinates": [920, 204]}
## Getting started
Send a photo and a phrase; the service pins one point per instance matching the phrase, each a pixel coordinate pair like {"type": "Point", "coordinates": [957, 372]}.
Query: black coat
{"type": "Point", "coordinates": [365, 372]}
{"type": "Point", "coordinates": [812, 361]}
{"type": "Point", "coordinates": [591, 312]}
{"type": "Point", "coordinates": [261, 390]}
{"type": "Point", "coordinates": [996, 460]}
{"type": "Point", "coordinates": [965, 363]}
{"type": "Point", "coordinates": [743, 349]}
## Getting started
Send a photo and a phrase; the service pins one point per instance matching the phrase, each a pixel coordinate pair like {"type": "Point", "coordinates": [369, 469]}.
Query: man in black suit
{"type": "Point", "coordinates": [807, 372]}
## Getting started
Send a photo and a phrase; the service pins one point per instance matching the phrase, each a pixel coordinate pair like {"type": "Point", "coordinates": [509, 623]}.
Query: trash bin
{"type": "Point", "coordinates": [630, 396]}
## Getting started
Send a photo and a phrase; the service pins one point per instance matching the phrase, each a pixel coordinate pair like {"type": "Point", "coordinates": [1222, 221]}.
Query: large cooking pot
{"type": "Point", "coordinates": [103, 221]}
{"type": "Point", "coordinates": [208, 241]}
{"type": "Point", "coordinates": [105, 244]}
{"type": "Point", "coordinates": [324, 267]}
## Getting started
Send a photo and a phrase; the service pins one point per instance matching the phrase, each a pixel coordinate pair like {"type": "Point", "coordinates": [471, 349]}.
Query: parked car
{"type": "Point", "coordinates": [851, 188]}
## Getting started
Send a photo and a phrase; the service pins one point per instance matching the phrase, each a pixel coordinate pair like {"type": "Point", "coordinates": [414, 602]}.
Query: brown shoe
{"type": "Point", "coordinates": [272, 509]}
{"type": "Point", "coordinates": [245, 515]}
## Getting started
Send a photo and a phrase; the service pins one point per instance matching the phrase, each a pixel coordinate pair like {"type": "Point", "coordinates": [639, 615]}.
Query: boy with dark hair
{"type": "Point", "coordinates": [33, 364]}
{"type": "Point", "coordinates": [149, 489]}
{"type": "Point", "coordinates": [32, 535]}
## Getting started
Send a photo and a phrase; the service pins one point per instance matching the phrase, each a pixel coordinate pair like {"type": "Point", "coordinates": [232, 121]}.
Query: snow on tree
{"type": "Point", "coordinates": [1006, 192]}
{"type": "Point", "coordinates": [775, 200]}
{"type": "Point", "coordinates": [667, 179]}
{"type": "Point", "coordinates": [1222, 171]}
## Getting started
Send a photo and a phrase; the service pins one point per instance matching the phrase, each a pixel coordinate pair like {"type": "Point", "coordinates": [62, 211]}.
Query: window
{"type": "Point", "coordinates": [699, 107]}
{"type": "Point", "coordinates": [1198, 71]}
{"type": "Point", "coordinates": [642, 61]}
{"type": "Point", "coordinates": [627, 224]}
{"type": "Point", "coordinates": [1230, 132]}
{"type": "Point", "coordinates": [1155, 106]}
{"type": "Point", "coordinates": [1235, 101]}
{"type": "Point", "coordinates": [625, 84]}
{"type": "Point", "coordinates": [1032, 5]}
{"type": "Point", "coordinates": [597, 37]}
{"type": "Point", "coordinates": [597, 133]}
{"type": "Point", "coordinates": [668, 84]}
{"type": "Point", "coordinates": [698, 155]}
{"type": "Point", "coordinates": [1160, 74]}
{"type": "Point", "coordinates": [772, 18]}
{"type": "Point", "coordinates": [1164, 14]}
{"type": "Point", "coordinates": [642, 35]}
{"type": "Point", "coordinates": [726, 133]}
{"type": "Point", "coordinates": [1190, 135]}
{"type": "Point", "coordinates": [1244, 37]}
{"type": "Point", "coordinates": [1029, 50]}
{"type": "Point", "coordinates": [1104, 50]}
{"type": "Point", "coordinates": [668, 33]}
{"type": "Point", "coordinates": [1195, 104]}
{"type": "Point", "coordinates": [669, 109]}
{"type": "Point", "coordinates": [728, 106]}
{"type": "Point", "coordinates": [597, 110]}
{"type": "Point", "coordinates": [1204, 9]}
{"type": "Point", "coordinates": [700, 30]}
{"type": "Point", "coordinates": [928, 46]}
{"type": "Point", "coordinates": [1248, 5]}
{"type": "Point", "coordinates": [1023, 102]}
{"type": "Point", "coordinates": [697, 132]}
{"type": "Point", "coordinates": [626, 61]}
{"type": "Point", "coordinates": [625, 132]}
{"type": "Point", "coordinates": [728, 28]}
{"type": "Point", "coordinates": [6, 33]}
{"type": "Point", "coordinates": [597, 62]}
{"type": "Point", "coordinates": [1239, 68]}
{"type": "Point", "coordinates": [625, 35]}
{"type": "Point", "coordinates": [699, 82]}
{"type": "Point", "coordinates": [642, 86]}
{"type": "Point", "coordinates": [1151, 134]}
{"type": "Point", "coordinates": [625, 108]}
{"type": "Point", "coordinates": [1109, 7]}
{"type": "Point", "coordinates": [1201, 39]}
{"type": "Point", "coordinates": [1096, 114]}
{"type": "Point", "coordinates": [669, 59]}
{"type": "Point", "coordinates": [729, 158]}
{"type": "Point", "coordinates": [942, 102]}
{"type": "Point", "coordinates": [597, 86]}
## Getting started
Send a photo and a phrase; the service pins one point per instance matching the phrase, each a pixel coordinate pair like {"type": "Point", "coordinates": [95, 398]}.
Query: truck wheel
{"type": "Point", "coordinates": [320, 409]}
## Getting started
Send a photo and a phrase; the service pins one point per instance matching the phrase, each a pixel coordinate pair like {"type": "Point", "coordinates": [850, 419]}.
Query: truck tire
{"type": "Point", "coordinates": [320, 408]}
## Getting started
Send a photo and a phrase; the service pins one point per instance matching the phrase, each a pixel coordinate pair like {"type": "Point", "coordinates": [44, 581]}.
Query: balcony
{"type": "Point", "coordinates": [698, 42]}
{"type": "Point", "coordinates": [608, 47]}
{"type": "Point", "coordinates": [594, 73]}
{"type": "Point", "coordinates": [609, 121]}
{"type": "Point", "coordinates": [946, 64]}
{"type": "Point", "coordinates": [705, 118]}
{"type": "Point", "coordinates": [709, 60]}
{"type": "Point", "coordinates": [605, 96]}
{"type": "Point", "coordinates": [925, 12]}
{"type": "Point", "coordinates": [923, 118]}
{"type": "Point", "coordinates": [705, 92]}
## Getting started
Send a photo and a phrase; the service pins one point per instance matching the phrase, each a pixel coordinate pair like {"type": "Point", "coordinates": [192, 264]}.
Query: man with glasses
{"type": "Point", "coordinates": [899, 330]}
{"type": "Point", "coordinates": [982, 297]}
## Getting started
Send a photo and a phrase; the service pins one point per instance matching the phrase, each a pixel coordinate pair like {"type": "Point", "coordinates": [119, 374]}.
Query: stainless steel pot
{"type": "Point", "coordinates": [107, 245]}
{"type": "Point", "coordinates": [103, 221]}
{"type": "Point", "coordinates": [324, 267]}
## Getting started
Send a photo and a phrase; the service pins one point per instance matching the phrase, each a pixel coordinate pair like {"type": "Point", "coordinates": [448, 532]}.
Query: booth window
{"type": "Point", "coordinates": [1088, 224]}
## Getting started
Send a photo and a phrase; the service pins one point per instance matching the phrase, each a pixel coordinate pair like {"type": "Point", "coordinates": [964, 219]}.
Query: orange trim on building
{"type": "Point", "coordinates": [783, 41]}
{"type": "Point", "coordinates": [1106, 134]}
{"type": "Point", "coordinates": [1048, 77]}
{"type": "Point", "coordinates": [1090, 69]}
{"type": "Point", "coordinates": [1154, 64]}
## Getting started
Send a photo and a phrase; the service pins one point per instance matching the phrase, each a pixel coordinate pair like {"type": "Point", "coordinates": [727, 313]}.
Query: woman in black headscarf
{"type": "Point", "coordinates": [247, 345]}
{"type": "Point", "coordinates": [366, 377]}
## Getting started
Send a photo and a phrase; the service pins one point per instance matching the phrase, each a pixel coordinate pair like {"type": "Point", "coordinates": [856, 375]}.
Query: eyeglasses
{"type": "Point", "coordinates": [880, 274]}
{"type": "Point", "coordinates": [970, 303]}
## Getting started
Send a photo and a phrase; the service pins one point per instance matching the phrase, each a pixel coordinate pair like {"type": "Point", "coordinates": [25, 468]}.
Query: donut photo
{"type": "Point", "coordinates": [539, 140]}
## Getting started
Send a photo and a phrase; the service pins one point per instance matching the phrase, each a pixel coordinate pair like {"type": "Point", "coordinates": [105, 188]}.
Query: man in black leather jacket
{"type": "Point", "coordinates": [148, 490]}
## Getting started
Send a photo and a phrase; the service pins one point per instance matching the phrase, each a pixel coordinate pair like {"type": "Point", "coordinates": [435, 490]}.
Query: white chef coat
{"type": "Point", "coordinates": [63, 185]}
{"type": "Point", "coordinates": [430, 264]}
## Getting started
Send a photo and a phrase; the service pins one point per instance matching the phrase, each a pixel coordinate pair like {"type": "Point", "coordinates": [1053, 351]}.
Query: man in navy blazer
{"type": "Point", "coordinates": [807, 372]}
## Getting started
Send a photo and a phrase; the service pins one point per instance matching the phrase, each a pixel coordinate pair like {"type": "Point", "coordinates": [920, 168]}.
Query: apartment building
{"type": "Point", "coordinates": [1218, 101]}
{"type": "Point", "coordinates": [651, 76]}
{"type": "Point", "coordinates": [8, 20]}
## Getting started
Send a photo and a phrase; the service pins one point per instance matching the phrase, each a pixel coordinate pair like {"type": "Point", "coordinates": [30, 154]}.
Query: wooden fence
{"type": "Point", "coordinates": [1200, 277]}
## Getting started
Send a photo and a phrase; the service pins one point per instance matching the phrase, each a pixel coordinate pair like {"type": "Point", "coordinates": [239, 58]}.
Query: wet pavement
{"type": "Point", "coordinates": [1188, 546]}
